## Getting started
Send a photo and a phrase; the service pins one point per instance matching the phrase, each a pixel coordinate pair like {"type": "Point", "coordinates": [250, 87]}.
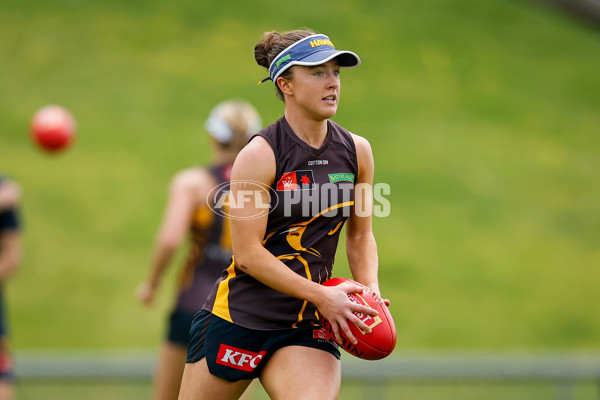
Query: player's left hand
{"type": "Point", "coordinates": [374, 292]}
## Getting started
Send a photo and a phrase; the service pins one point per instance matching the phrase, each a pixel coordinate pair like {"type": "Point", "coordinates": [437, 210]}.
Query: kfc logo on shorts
{"type": "Point", "coordinates": [238, 358]}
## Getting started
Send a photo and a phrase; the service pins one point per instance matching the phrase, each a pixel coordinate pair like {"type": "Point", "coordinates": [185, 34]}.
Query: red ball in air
{"type": "Point", "coordinates": [53, 128]}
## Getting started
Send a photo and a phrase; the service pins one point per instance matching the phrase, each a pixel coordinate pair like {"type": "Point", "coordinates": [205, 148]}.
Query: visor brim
{"type": "Point", "coordinates": [346, 59]}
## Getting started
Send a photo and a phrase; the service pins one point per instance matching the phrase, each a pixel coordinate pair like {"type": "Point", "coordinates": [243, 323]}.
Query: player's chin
{"type": "Point", "coordinates": [329, 111]}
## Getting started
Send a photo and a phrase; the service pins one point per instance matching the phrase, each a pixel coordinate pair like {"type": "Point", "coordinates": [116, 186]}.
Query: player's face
{"type": "Point", "coordinates": [316, 90]}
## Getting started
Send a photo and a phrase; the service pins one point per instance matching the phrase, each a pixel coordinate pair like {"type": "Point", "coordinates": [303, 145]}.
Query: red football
{"type": "Point", "coordinates": [371, 346]}
{"type": "Point", "coordinates": [52, 128]}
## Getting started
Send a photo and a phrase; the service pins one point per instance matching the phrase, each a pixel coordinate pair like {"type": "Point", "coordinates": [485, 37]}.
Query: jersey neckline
{"type": "Point", "coordinates": [313, 150]}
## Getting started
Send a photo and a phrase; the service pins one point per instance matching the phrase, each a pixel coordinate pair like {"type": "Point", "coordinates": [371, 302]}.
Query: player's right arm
{"type": "Point", "coordinates": [254, 170]}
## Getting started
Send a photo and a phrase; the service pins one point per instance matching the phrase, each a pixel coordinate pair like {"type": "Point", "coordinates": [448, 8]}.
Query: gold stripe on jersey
{"type": "Point", "coordinates": [268, 237]}
{"type": "Point", "coordinates": [186, 276]}
{"type": "Point", "coordinates": [221, 305]}
{"type": "Point", "coordinates": [309, 276]}
{"type": "Point", "coordinates": [202, 218]}
{"type": "Point", "coordinates": [334, 230]}
{"type": "Point", "coordinates": [325, 211]}
{"type": "Point", "coordinates": [300, 318]}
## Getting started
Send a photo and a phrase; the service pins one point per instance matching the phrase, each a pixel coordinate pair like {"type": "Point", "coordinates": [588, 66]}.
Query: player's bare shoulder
{"type": "Point", "coordinates": [361, 143]}
{"type": "Point", "coordinates": [193, 182]}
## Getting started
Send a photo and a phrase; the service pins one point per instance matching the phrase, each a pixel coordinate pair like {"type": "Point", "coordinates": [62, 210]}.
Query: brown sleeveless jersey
{"type": "Point", "coordinates": [209, 252]}
{"type": "Point", "coordinates": [311, 197]}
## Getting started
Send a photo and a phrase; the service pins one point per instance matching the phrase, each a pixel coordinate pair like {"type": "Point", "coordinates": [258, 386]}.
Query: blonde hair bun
{"type": "Point", "coordinates": [233, 122]}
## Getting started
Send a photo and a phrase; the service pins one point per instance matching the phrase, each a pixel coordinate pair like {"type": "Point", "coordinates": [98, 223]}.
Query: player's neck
{"type": "Point", "coordinates": [312, 132]}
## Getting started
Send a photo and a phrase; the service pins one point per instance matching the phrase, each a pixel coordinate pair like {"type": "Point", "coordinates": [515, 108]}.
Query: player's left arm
{"type": "Point", "coordinates": [361, 247]}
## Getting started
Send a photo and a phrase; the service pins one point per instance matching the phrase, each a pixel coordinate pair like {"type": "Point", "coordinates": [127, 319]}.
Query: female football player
{"type": "Point", "coordinates": [230, 124]}
{"type": "Point", "coordinates": [261, 318]}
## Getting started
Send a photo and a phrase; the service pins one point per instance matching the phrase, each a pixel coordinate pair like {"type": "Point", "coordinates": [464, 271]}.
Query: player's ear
{"type": "Point", "coordinates": [285, 85]}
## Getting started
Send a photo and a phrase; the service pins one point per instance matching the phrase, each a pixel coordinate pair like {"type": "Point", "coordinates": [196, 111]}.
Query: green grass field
{"type": "Point", "coordinates": [350, 391]}
{"type": "Point", "coordinates": [483, 118]}
{"type": "Point", "coordinates": [450, 390]}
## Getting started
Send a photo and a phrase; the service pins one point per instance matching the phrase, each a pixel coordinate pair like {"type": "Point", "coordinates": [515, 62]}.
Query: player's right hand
{"type": "Point", "coordinates": [145, 294]}
{"type": "Point", "coordinates": [340, 311]}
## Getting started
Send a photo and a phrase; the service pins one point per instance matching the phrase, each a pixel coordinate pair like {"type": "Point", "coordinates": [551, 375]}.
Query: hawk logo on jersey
{"type": "Point", "coordinates": [238, 358]}
{"type": "Point", "coordinates": [296, 180]}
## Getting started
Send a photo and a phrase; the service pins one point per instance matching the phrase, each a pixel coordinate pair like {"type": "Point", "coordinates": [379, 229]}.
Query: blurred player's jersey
{"type": "Point", "coordinates": [311, 198]}
{"type": "Point", "coordinates": [210, 250]}
{"type": "Point", "coordinates": [8, 218]}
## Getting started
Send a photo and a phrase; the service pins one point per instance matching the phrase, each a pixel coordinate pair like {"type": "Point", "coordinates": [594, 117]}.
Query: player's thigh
{"type": "Point", "coordinates": [172, 358]}
{"type": "Point", "coordinates": [298, 373]}
{"type": "Point", "coordinates": [199, 384]}
{"type": "Point", "coordinates": [167, 379]}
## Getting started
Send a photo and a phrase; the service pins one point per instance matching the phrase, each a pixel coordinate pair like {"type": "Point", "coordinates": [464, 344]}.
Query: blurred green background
{"type": "Point", "coordinates": [483, 117]}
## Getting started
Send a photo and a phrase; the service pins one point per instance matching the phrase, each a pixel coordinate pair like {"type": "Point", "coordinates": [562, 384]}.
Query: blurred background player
{"type": "Point", "coordinates": [230, 124]}
{"type": "Point", "coordinates": [10, 256]}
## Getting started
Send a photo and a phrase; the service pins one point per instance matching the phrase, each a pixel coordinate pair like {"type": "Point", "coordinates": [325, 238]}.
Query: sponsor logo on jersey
{"type": "Point", "coordinates": [318, 162]}
{"type": "Point", "coordinates": [238, 358]}
{"type": "Point", "coordinates": [296, 180]}
{"type": "Point", "coordinates": [341, 177]}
